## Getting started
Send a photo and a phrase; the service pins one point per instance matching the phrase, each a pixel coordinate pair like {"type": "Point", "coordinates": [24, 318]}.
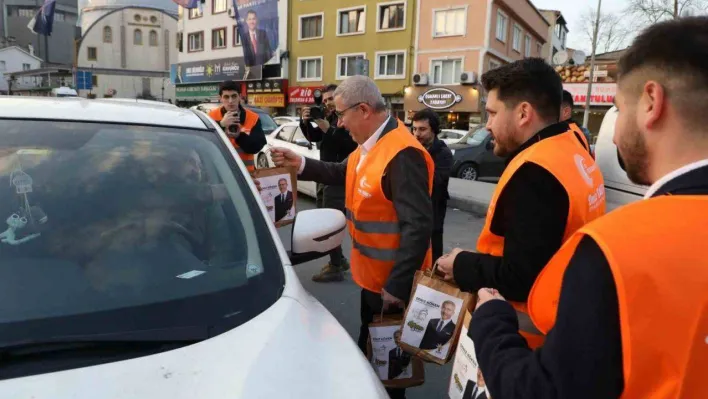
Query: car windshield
{"type": "Point", "coordinates": [267, 122]}
{"type": "Point", "coordinates": [113, 228]}
{"type": "Point", "coordinates": [475, 138]}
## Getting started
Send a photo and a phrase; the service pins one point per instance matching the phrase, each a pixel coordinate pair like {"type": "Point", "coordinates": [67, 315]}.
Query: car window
{"type": "Point", "coordinates": [298, 135]}
{"type": "Point", "coordinates": [267, 123]}
{"type": "Point", "coordinates": [477, 137]}
{"type": "Point", "coordinates": [114, 228]}
{"type": "Point", "coordinates": [285, 133]}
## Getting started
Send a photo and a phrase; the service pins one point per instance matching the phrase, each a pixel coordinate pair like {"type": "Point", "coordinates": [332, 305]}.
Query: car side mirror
{"type": "Point", "coordinates": [316, 233]}
{"type": "Point", "coordinates": [303, 143]}
{"type": "Point", "coordinates": [490, 144]}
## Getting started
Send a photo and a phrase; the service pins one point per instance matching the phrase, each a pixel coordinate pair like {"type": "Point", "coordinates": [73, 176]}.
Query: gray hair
{"type": "Point", "coordinates": [360, 89]}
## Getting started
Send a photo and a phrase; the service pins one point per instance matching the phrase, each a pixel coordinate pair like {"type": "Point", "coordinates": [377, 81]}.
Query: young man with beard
{"type": "Point", "coordinates": [550, 188]}
{"type": "Point", "coordinates": [625, 300]}
{"type": "Point", "coordinates": [425, 128]}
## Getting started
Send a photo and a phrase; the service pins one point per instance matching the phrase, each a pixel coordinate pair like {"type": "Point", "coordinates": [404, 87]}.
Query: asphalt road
{"type": "Point", "coordinates": [342, 298]}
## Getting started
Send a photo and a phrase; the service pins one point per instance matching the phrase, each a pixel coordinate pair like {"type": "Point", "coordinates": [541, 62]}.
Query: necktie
{"type": "Point", "coordinates": [440, 325]}
{"type": "Point", "coordinates": [254, 43]}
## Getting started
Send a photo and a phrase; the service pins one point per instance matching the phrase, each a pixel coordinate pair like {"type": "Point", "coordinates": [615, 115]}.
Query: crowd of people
{"type": "Point", "coordinates": [572, 303]}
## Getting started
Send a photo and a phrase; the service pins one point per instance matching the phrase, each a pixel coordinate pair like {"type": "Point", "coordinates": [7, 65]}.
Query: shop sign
{"type": "Point", "coordinates": [208, 90]}
{"type": "Point", "coordinates": [214, 71]}
{"type": "Point", "coordinates": [439, 98]}
{"type": "Point", "coordinates": [267, 100]}
{"type": "Point", "coordinates": [302, 94]}
{"type": "Point", "coordinates": [602, 94]}
{"type": "Point", "coordinates": [266, 86]}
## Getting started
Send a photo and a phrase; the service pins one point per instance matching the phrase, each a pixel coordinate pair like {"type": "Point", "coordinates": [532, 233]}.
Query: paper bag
{"type": "Point", "coordinates": [433, 318]}
{"type": "Point", "coordinates": [466, 380]}
{"type": "Point", "coordinates": [278, 193]}
{"type": "Point", "coordinates": [395, 367]}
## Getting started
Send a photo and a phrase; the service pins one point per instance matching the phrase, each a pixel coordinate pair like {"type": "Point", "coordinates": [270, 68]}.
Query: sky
{"type": "Point", "coordinates": [572, 12]}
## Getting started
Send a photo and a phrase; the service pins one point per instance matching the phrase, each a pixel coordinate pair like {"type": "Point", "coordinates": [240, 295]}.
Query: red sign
{"type": "Point", "coordinates": [601, 94]}
{"type": "Point", "coordinates": [302, 94]}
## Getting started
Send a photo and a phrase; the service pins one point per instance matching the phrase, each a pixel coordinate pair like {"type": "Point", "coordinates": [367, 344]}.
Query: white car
{"type": "Point", "coordinates": [205, 107]}
{"type": "Point", "coordinates": [138, 262]}
{"type": "Point", "coordinates": [289, 135]}
{"type": "Point", "coordinates": [618, 188]}
{"type": "Point", "coordinates": [281, 120]}
{"type": "Point", "coordinates": [451, 136]}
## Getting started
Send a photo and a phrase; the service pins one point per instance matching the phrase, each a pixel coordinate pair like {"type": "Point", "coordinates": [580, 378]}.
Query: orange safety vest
{"type": "Point", "coordinates": [371, 218]}
{"type": "Point", "coordinates": [246, 126]}
{"type": "Point", "coordinates": [655, 251]}
{"type": "Point", "coordinates": [565, 158]}
{"type": "Point", "coordinates": [580, 134]}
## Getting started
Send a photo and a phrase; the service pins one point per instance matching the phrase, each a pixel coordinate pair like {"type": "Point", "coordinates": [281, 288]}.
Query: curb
{"type": "Point", "coordinates": [478, 208]}
{"type": "Point", "coordinates": [470, 196]}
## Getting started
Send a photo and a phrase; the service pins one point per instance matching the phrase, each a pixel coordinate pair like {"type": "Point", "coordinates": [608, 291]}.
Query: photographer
{"type": "Point", "coordinates": [335, 145]}
{"type": "Point", "coordinates": [241, 125]}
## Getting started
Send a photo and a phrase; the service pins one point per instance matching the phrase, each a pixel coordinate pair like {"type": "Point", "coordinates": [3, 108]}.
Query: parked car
{"type": "Point", "coordinates": [618, 188]}
{"type": "Point", "coordinates": [205, 107]}
{"type": "Point", "coordinates": [474, 157]}
{"type": "Point", "coordinates": [280, 120]}
{"type": "Point", "coordinates": [451, 136]}
{"type": "Point", "coordinates": [289, 135]}
{"type": "Point", "coordinates": [140, 262]}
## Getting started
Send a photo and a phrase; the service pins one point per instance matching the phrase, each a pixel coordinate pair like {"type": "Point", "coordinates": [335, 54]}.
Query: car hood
{"type": "Point", "coordinates": [459, 146]}
{"type": "Point", "coordinates": [296, 348]}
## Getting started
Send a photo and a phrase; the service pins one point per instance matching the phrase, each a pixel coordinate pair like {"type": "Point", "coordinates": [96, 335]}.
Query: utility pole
{"type": "Point", "coordinates": [592, 65]}
{"type": "Point", "coordinates": [676, 9]}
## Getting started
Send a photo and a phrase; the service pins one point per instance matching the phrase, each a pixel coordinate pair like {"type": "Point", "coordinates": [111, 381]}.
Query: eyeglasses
{"type": "Point", "coordinates": [340, 114]}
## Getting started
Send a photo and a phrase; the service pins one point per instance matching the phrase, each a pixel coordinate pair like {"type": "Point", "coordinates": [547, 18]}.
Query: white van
{"type": "Point", "coordinates": [619, 189]}
{"type": "Point", "coordinates": [64, 92]}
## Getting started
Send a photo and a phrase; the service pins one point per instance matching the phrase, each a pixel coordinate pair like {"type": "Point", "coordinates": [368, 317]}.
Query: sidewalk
{"type": "Point", "coordinates": [474, 196]}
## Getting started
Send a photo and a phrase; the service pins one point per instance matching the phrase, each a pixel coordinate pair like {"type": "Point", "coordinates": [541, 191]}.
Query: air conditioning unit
{"type": "Point", "coordinates": [232, 12]}
{"type": "Point", "coordinates": [468, 78]}
{"type": "Point", "coordinates": [420, 79]}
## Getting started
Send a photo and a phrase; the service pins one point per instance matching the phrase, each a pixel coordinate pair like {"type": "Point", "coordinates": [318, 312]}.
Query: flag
{"type": "Point", "coordinates": [188, 3]}
{"type": "Point", "coordinates": [44, 19]}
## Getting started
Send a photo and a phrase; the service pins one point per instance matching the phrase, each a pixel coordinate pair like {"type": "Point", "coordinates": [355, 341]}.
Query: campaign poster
{"type": "Point", "coordinates": [278, 193]}
{"type": "Point", "coordinates": [257, 22]}
{"type": "Point", "coordinates": [389, 361]}
{"type": "Point", "coordinates": [467, 381]}
{"type": "Point", "coordinates": [430, 323]}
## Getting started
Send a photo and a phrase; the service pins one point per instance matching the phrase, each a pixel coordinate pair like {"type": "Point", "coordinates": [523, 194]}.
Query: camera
{"type": "Point", "coordinates": [317, 111]}
{"type": "Point", "coordinates": [233, 129]}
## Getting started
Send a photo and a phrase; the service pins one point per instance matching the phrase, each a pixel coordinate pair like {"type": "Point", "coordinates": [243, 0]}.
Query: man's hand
{"type": "Point", "coordinates": [322, 124]}
{"type": "Point", "coordinates": [390, 301]}
{"type": "Point", "coordinates": [305, 114]}
{"type": "Point", "coordinates": [446, 263]}
{"type": "Point", "coordinates": [228, 120]}
{"type": "Point", "coordinates": [285, 157]}
{"type": "Point", "coordinates": [485, 295]}
{"type": "Point", "coordinates": [258, 184]}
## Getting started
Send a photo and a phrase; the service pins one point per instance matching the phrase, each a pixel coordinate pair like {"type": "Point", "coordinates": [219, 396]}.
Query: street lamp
{"type": "Point", "coordinates": [592, 65]}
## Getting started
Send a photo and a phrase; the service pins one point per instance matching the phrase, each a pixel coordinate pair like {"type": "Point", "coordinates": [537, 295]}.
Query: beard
{"type": "Point", "coordinates": [632, 150]}
{"type": "Point", "coordinates": [506, 142]}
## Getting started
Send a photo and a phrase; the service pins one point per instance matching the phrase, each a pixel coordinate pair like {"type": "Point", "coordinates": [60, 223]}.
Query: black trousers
{"type": "Point", "coordinates": [329, 197]}
{"type": "Point", "coordinates": [436, 242]}
{"type": "Point", "coordinates": [371, 304]}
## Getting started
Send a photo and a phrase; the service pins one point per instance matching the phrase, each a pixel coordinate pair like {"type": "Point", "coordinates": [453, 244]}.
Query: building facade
{"type": "Point", "coordinates": [457, 41]}
{"type": "Point", "coordinates": [210, 52]}
{"type": "Point", "coordinates": [58, 48]}
{"type": "Point", "coordinates": [14, 59]}
{"type": "Point", "coordinates": [331, 40]}
{"type": "Point", "coordinates": [557, 34]}
{"type": "Point", "coordinates": [128, 51]}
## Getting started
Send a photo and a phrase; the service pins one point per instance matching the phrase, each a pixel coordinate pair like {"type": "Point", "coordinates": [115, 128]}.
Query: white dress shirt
{"type": "Point", "coordinates": [676, 173]}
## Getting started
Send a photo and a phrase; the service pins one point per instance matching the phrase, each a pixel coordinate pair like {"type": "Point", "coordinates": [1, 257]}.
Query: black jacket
{"type": "Point", "coordinates": [405, 183]}
{"type": "Point", "coordinates": [442, 157]}
{"type": "Point", "coordinates": [582, 355]}
{"type": "Point", "coordinates": [263, 51]}
{"type": "Point", "coordinates": [397, 364]}
{"type": "Point", "coordinates": [335, 144]}
{"type": "Point", "coordinates": [282, 207]}
{"type": "Point", "coordinates": [432, 338]}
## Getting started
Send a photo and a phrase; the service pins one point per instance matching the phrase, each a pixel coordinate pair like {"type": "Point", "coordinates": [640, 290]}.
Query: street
{"type": "Point", "coordinates": [342, 298]}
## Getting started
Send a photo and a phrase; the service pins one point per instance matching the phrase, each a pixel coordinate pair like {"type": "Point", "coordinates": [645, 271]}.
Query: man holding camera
{"type": "Point", "coordinates": [241, 125]}
{"type": "Point", "coordinates": [335, 144]}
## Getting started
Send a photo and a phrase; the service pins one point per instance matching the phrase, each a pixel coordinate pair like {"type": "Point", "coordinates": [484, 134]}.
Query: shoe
{"type": "Point", "coordinates": [345, 264]}
{"type": "Point", "coordinates": [328, 274]}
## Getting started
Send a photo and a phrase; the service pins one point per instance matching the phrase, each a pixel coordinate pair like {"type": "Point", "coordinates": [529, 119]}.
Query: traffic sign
{"type": "Point", "coordinates": [84, 80]}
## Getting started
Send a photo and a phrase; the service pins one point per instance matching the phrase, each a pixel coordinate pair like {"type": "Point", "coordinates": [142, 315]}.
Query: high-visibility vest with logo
{"type": "Point", "coordinates": [249, 123]}
{"type": "Point", "coordinates": [564, 157]}
{"type": "Point", "coordinates": [655, 251]}
{"type": "Point", "coordinates": [580, 134]}
{"type": "Point", "coordinates": [371, 217]}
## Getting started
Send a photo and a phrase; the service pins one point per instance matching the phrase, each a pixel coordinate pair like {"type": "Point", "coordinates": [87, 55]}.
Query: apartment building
{"type": "Point", "coordinates": [210, 52]}
{"type": "Point", "coordinates": [557, 34]}
{"type": "Point", "coordinates": [457, 41]}
{"type": "Point", "coordinates": [331, 40]}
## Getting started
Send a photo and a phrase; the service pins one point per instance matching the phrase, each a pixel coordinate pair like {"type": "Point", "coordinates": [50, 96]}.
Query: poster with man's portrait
{"type": "Point", "coordinates": [279, 193]}
{"type": "Point", "coordinates": [395, 367]}
{"type": "Point", "coordinates": [467, 381]}
{"type": "Point", "coordinates": [430, 323]}
{"type": "Point", "coordinates": [257, 22]}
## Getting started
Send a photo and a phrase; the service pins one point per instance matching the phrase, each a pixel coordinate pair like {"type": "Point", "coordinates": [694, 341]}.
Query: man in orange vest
{"type": "Point", "coordinates": [551, 187]}
{"type": "Point", "coordinates": [388, 182]}
{"type": "Point", "coordinates": [583, 133]}
{"type": "Point", "coordinates": [241, 125]}
{"type": "Point", "coordinates": [625, 300]}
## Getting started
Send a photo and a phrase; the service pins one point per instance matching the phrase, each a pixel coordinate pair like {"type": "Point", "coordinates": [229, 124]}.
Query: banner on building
{"type": "Point", "coordinates": [267, 100]}
{"type": "Point", "coordinates": [203, 90]}
{"type": "Point", "coordinates": [602, 94]}
{"type": "Point", "coordinates": [258, 28]}
{"type": "Point", "coordinates": [214, 71]}
{"type": "Point", "coordinates": [302, 94]}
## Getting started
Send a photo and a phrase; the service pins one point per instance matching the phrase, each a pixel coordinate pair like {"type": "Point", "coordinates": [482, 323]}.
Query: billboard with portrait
{"type": "Point", "coordinates": [258, 28]}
